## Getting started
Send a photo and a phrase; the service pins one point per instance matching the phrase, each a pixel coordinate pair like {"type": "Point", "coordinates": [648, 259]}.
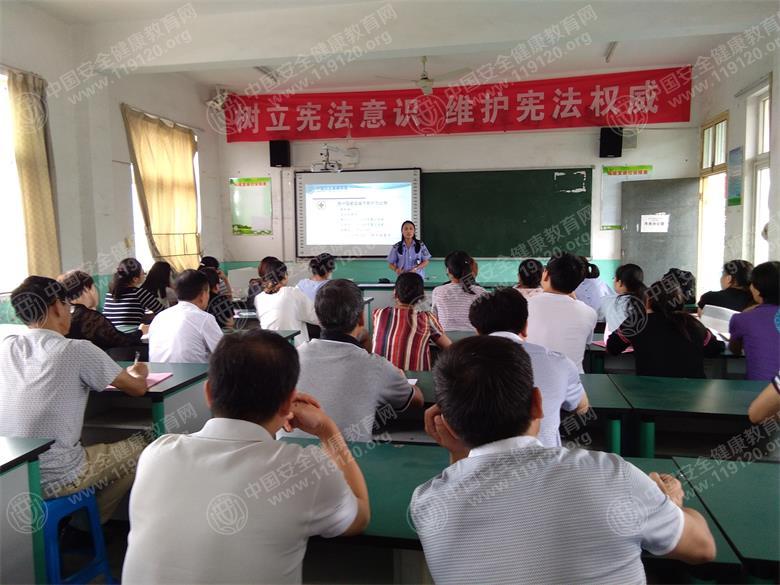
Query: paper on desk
{"type": "Point", "coordinates": [151, 380]}
{"type": "Point", "coordinates": [412, 381]}
{"type": "Point", "coordinates": [602, 343]}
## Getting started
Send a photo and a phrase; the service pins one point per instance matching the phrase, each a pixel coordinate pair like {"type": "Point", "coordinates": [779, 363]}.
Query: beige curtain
{"type": "Point", "coordinates": [27, 93]}
{"type": "Point", "coordinates": [162, 156]}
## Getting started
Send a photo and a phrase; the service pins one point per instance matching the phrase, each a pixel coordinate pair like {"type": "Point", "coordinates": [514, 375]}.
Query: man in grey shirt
{"type": "Point", "coordinates": [45, 380]}
{"type": "Point", "coordinates": [351, 384]}
{"type": "Point", "coordinates": [509, 510]}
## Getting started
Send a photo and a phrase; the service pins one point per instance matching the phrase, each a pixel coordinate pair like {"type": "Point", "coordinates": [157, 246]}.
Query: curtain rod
{"type": "Point", "coordinates": [164, 118]}
{"type": "Point", "coordinates": [17, 70]}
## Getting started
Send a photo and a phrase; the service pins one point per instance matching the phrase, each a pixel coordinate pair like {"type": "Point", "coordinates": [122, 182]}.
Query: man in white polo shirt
{"type": "Point", "coordinates": [45, 381]}
{"type": "Point", "coordinates": [185, 333]}
{"type": "Point", "coordinates": [509, 510]}
{"type": "Point", "coordinates": [555, 319]}
{"type": "Point", "coordinates": [230, 504]}
{"type": "Point", "coordinates": [504, 313]}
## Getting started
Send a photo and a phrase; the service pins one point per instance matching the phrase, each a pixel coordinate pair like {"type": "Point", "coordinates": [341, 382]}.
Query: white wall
{"type": "Point", "coordinates": [672, 150]}
{"type": "Point", "coordinates": [89, 141]}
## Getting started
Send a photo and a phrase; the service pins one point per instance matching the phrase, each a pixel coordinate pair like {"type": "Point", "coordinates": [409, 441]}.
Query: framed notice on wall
{"type": "Point", "coordinates": [250, 205]}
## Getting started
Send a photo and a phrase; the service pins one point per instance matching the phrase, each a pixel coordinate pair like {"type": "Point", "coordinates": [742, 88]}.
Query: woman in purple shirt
{"type": "Point", "coordinates": [757, 329]}
{"type": "Point", "coordinates": [410, 254]}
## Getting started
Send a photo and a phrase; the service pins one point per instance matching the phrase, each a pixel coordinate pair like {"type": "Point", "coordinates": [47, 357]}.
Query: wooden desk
{"type": "Point", "coordinates": [726, 554]}
{"type": "Point", "coordinates": [603, 394]}
{"type": "Point", "coordinates": [598, 361]}
{"type": "Point", "coordinates": [175, 405]}
{"type": "Point", "coordinates": [21, 535]}
{"type": "Point", "coordinates": [657, 396]}
{"type": "Point", "coordinates": [742, 498]}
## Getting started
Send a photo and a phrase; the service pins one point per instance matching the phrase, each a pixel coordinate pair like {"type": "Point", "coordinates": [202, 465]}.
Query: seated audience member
{"type": "Point", "coordinates": [126, 303]}
{"type": "Point", "coordinates": [321, 268]}
{"type": "Point", "coordinates": [592, 289]}
{"type": "Point", "coordinates": [224, 283]}
{"type": "Point", "coordinates": [757, 330]}
{"type": "Point", "coordinates": [159, 282]}
{"type": "Point", "coordinates": [735, 288]}
{"type": "Point", "coordinates": [451, 301]}
{"type": "Point", "coordinates": [45, 380]}
{"type": "Point", "coordinates": [185, 333]}
{"type": "Point", "coordinates": [281, 307]}
{"type": "Point", "coordinates": [667, 341]}
{"type": "Point", "coordinates": [504, 313]}
{"type": "Point", "coordinates": [219, 305]}
{"type": "Point", "coordinates": [350, 383]}
{"type": "Point", "coordinates": [685, 280]}
{"type": "Point", "coordinates": [556, 320]}
{"type": "Point", "coordinates": [629, 301]}
{"type": "Point", "coordinates": [402, 333]}
{"type": "Point", "coordinates": [766, 404]}
{"type": "Point", "coordinates": [242, 529]}
{"type": "Point", "coordinates": [529, 278]}
{"type": "Point", "coordinates": [86, 322]}
{"type": "Point", "coordinates": [546, 514]}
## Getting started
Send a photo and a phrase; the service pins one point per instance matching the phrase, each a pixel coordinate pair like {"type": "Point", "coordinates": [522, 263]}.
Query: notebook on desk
{"type": "Point", "coordinates": [602, 343]}
{"type": "Point", "coordinates": [151, 380]}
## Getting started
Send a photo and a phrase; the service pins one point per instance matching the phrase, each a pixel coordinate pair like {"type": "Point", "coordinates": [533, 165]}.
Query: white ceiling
{"type": "Point", "coordinates": [362, 74]}
{"type": "Point", "coordinates": [230, 37]}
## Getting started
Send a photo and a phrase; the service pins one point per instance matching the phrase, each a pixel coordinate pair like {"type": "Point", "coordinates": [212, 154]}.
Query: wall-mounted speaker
{"type": "Point", "coordinates": [611, 143]}
{"type": "Point", "coordinates": [279, 153]}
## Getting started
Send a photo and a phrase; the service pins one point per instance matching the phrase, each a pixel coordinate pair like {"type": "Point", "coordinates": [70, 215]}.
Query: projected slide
{"type": "Point", "coordinates": [356, 217]}
{"type": "Point", "coordinates": [361, 213]}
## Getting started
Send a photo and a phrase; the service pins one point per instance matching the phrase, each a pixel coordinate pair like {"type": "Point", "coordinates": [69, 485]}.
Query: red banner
{"type": "Point", "coordinates": [629, 99]}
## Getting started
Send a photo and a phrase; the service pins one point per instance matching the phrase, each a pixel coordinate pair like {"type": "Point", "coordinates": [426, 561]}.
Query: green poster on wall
{"type": "Point", "coordinates": [250, 204]}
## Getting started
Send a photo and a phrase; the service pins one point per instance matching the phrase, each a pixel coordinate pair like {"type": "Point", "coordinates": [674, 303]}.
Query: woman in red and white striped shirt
{"type": "Point", "coordinates": [402, 333]}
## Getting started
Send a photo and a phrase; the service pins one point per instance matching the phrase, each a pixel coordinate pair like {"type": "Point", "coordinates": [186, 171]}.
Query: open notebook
{"type": "Point", "coordinates": [151, 380]}
{"type": "Point", "coordinates": [602, 343]}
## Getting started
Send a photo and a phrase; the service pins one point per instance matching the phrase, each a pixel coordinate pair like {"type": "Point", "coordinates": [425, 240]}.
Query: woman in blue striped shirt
{"type": "Point", "coordinates": [126, 303]}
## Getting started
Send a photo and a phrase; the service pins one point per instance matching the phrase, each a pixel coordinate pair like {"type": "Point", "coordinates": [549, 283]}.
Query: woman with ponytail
{"type": "Point", "coordinates": [592, 289]}
{"type": "Point", "coordinates": [630, 298]}
{"type": "Point", "coordinates": [126, 303]}
{"type": "Point", "coordinates": [452, 301]}
{"type": "Point", "coordinates": [409, 254]}
{"type": "Point", "coordinates": [281, 307]}
{"type": "Point", "coordinates": [667, 341]}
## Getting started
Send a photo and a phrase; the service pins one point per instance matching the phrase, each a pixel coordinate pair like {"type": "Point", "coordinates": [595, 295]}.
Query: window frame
{"type": "Point", "coordinates": [712, 125]}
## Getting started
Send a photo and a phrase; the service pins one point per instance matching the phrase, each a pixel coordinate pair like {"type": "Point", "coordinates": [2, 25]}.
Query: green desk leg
{"type": "Point", "coordinates": [39, 550]}
{"type": "Point", "coordinates": [613, 435]}
{"type": "Point", "coordinates": [158, 419]}
{"type": "Point", "coordinates": [647, 438]}
{"type": "Point", "coordinates": [596, 362]}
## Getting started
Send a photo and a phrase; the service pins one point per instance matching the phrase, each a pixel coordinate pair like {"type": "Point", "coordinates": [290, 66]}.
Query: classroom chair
{"type": "Point", "coordinates": [55, 510]}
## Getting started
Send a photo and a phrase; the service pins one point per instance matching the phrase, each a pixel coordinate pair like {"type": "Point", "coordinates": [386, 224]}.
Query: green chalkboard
{"type": "Point", "coordinates": [507, 213]}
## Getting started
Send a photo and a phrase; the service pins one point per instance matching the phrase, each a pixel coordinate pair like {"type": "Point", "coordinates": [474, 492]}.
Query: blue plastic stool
{"type": "Point", "coordinates": [56, 510]}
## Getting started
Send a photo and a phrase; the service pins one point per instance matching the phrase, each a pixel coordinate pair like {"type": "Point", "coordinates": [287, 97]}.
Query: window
{"type": "Point", "coordinates": [758, 141]}
{"type": "Point", "coordinates": [713, 143]}
{"type": "Point", "coordinates": [142, 252]}
{"type": "Point", "coordinates": [763, 125]}
{"type": "Point", "coordinates": [12, 227]}
{"type": "Point", "coordinates": [712, 209]}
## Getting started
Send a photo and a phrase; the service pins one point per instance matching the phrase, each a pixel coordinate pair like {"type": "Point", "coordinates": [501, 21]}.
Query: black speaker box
{"type": "Point", "coordinates": [280, 153]}
{"type": "Point", "coordinates": [611, 143]}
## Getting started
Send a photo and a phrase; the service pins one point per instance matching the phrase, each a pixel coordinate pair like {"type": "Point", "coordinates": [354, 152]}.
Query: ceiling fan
{"type": "Point", "coordinates": [425, 83]}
